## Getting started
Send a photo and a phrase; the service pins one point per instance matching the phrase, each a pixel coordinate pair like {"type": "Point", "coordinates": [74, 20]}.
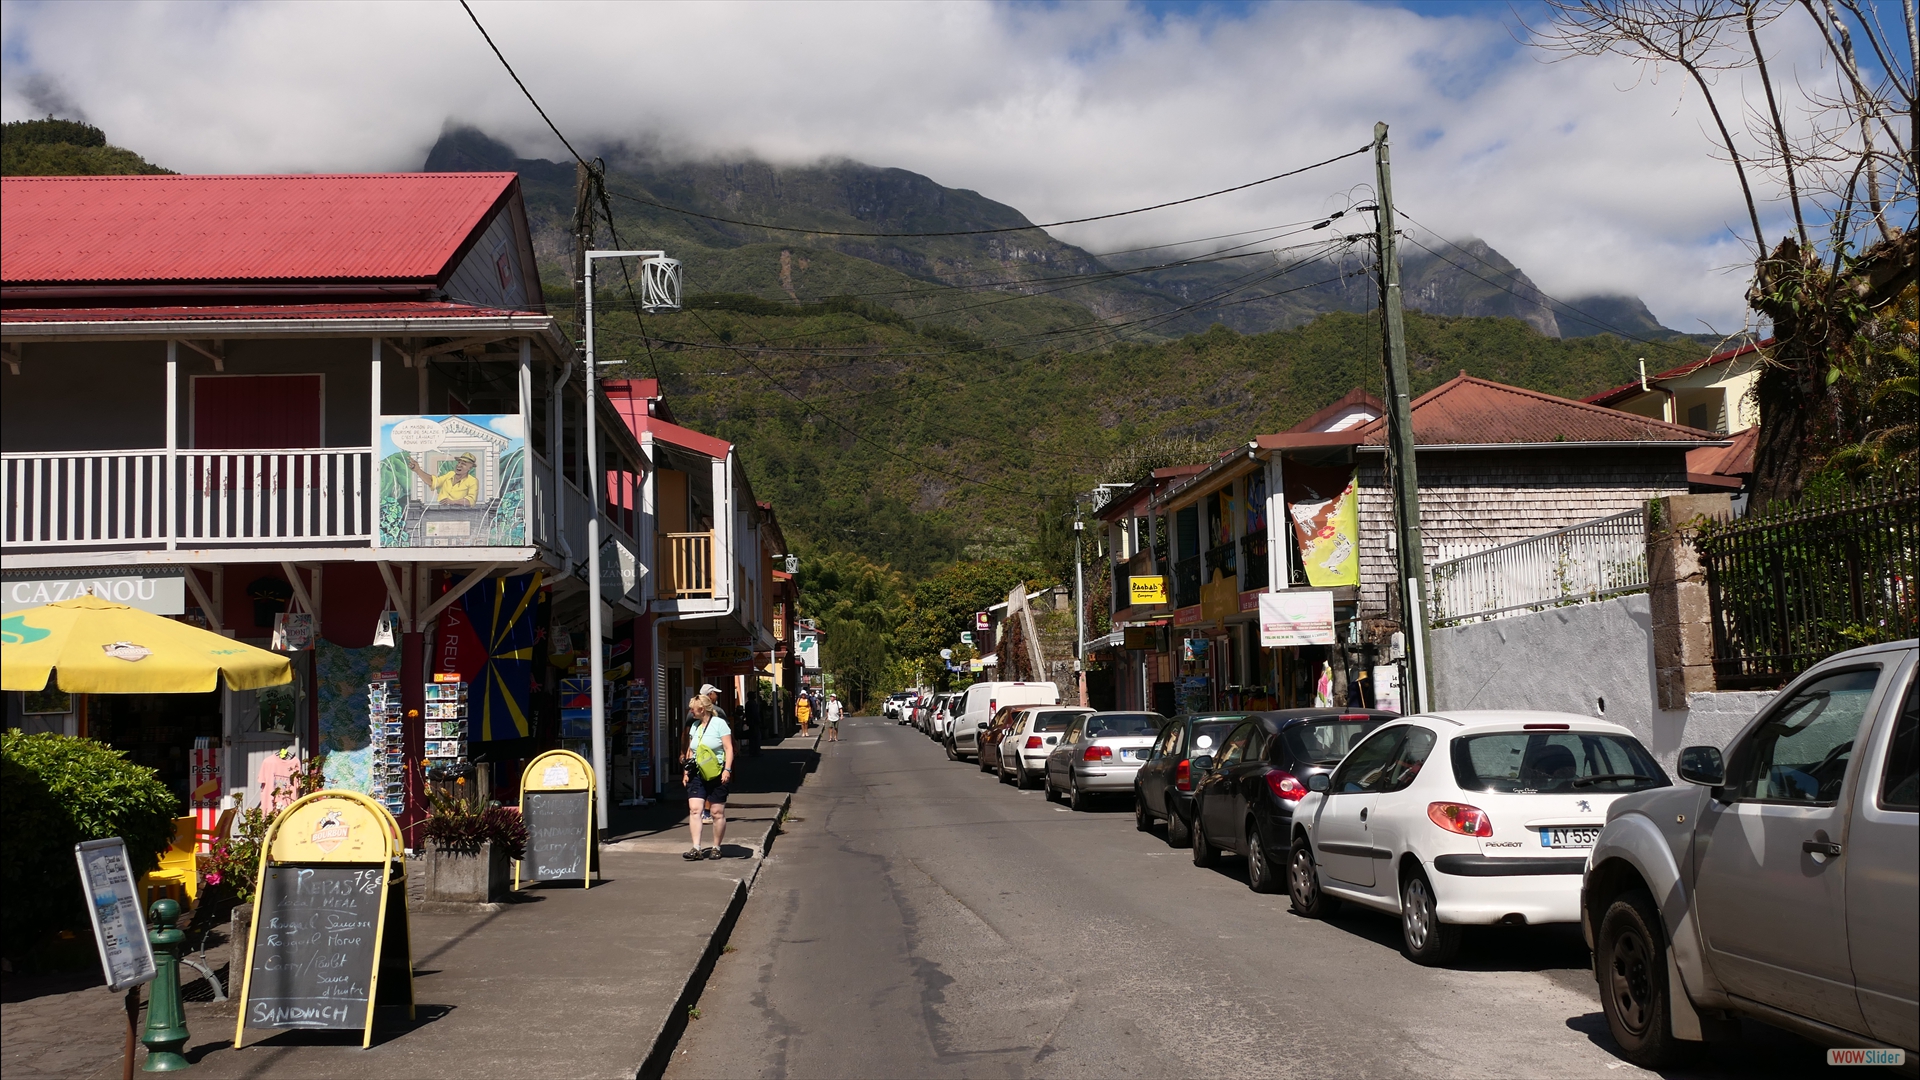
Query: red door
{"type": "Point", "coordinates": [255, 412]}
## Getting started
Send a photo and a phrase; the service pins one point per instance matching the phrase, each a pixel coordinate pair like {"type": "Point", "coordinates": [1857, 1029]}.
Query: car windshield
{"type": "Point", "coordinates": [1554, 762]}
{"type": "Point", "coordinates": [1101, 725]}
{"type": "Point", "coordinates": [1325, 742]}
{"type": "Point", "coordinates": [1054, 721]}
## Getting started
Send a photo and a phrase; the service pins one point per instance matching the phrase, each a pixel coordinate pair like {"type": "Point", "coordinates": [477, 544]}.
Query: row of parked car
{"type": "Point", "coordinates": [1779, 882]}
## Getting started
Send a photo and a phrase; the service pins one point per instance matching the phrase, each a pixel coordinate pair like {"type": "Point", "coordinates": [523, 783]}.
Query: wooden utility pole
{"type": "Point", "coordinates": [1402, 473]}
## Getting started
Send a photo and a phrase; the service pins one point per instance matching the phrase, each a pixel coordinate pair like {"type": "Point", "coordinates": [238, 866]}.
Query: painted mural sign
{"type": "Point", "coordinates": [453, 480]}
{"type": "Point", "coordinates": [1325, 507]}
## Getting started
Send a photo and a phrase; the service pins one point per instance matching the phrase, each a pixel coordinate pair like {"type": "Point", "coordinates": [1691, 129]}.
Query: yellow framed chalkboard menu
{"type": "Point", "coordinates": [556, 802]}
{"type": "Point", "coordinates": [329, 942]}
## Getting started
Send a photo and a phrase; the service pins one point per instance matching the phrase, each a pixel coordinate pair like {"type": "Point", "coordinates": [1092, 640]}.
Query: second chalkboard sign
{"type": "Point", "coordinates": [556, 802]}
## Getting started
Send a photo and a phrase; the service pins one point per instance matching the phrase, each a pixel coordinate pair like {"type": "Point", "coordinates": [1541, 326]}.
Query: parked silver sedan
{"type": "Point", "coordinates": [1099, 754]}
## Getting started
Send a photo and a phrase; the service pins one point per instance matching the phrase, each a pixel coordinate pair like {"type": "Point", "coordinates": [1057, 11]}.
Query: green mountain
{"type": "Point", "coordinates": [53, 147]}
{"type": "Point", "coordinates": [891, 411]}
{"type": "Point", "coordinates": [1020, 289]}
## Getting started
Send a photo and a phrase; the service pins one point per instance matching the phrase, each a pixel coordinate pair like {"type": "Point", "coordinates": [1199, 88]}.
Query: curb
{"type": "Point", "coordinates": [668, 1036]}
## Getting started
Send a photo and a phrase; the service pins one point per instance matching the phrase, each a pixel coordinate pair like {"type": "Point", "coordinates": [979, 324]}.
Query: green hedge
{"type": "Point", "coordinates": [56, 791]}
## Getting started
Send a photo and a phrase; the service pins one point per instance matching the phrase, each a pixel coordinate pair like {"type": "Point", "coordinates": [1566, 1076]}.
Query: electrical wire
{"type": "Point", "coordinates": [1005, 229]}
{"type": "Point", "coordinates": [523, 86]}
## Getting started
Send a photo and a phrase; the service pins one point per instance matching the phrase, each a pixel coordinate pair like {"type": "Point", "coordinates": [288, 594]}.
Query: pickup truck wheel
{"type": "Point", "coordinates": [1428, 941]}
{"type": "Point", "coordinates": [1179, 834]}
{"type": "Point", "coordinates": [1631, 963]}
{"type": "Point", "coordinates": [1303, 884]}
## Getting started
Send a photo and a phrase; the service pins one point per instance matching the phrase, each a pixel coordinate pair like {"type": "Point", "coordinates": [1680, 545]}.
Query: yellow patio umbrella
{"type": "Point", "coordinates": [99, 647]}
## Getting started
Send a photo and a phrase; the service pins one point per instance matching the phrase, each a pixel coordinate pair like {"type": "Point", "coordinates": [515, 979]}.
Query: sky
{"type": "Point", "coordinates": [1590, 174]}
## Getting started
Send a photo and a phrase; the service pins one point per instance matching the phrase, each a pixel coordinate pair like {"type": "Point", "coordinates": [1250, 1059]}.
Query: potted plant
{"type": "Point", "coordinates": [470, 851]}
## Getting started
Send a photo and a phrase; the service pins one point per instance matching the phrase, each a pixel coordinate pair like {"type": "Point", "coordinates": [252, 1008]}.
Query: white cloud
{"type": "Point", "coordinates": [508, 424]}
{"type": "Point", "coordinates": [1586, 181]}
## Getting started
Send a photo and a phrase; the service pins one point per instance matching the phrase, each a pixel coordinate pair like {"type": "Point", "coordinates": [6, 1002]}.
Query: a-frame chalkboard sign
{"type": "Point", "coordinates": [329, 941]}
{"type": "Point", "coordinates": [556, 802]}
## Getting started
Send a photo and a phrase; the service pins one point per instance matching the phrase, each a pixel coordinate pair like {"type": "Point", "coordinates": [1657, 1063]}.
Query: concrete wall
{"type": "Point", "coordinates": [1574, 659]}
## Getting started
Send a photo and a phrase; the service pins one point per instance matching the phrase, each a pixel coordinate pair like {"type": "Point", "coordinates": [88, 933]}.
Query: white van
{"type": "Point", "coordinates": [981, 702]}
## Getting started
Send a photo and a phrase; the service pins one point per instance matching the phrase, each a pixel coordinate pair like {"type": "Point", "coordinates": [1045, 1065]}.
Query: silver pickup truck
{"type": "Point", "coordinates": [1780, 883]}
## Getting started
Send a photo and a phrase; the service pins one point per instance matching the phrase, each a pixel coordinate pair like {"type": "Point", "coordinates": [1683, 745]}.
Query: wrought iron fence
{"type": "Point", "coordinates": [1800, 582]}
{"type": "Point", "coordinates": [1589, 561]}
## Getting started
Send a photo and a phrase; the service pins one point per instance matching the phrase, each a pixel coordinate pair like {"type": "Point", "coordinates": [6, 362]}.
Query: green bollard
{"type": "Point", "coordinates": [166, 1031]}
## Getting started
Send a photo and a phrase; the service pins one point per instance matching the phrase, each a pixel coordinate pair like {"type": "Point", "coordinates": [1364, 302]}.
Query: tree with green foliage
{"type": "Point", "coordinates": [53, 147]}
{"type": "Point", "coordinates": [944, 605]}
{"type": "Point", "coordinates": [55, 792]}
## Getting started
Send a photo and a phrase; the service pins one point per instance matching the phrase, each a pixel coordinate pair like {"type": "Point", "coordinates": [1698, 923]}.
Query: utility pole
{"type": "Point", "coordinates": [1079, 607]}
{"type": "Point", "coordinates": [582, 243]}
{"type": "Point", "coordinates": [1401, 469]}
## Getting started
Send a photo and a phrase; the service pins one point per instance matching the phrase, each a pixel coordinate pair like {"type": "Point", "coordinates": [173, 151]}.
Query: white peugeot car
{"type": "Point", "coordinates": [1462, 818]}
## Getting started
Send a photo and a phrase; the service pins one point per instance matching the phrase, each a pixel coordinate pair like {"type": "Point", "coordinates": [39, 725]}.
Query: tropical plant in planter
{"type": "Point", "coordinates": [470, 848]}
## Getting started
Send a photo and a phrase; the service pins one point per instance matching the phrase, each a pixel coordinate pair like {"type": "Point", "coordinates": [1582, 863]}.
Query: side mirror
{"type": "Point", "coordinates": [1703, 765]}
{"type": "Point", "coordinates": [1318, 782]}
{"type": "Point", "coordinates": [1204, 761]}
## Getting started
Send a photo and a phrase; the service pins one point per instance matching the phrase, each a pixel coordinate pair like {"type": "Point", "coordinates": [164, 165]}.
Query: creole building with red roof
{"type": "Point", "coordinates": [337, 406]}
{"type": "Point", "coordinates": [1497, 464]}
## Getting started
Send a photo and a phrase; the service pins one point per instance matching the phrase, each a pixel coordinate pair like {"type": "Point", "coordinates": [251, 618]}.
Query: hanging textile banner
{"type": "Point", "coordinates": [1325, 507]}
{"type": "Point", "coordinates": [505, 611]}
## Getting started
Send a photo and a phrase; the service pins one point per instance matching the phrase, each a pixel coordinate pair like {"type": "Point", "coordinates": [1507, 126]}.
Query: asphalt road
{"type": "Point", "coordinates": [918, 919]}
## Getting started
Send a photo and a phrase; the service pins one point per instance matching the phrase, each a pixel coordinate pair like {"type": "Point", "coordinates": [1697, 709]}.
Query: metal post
{"type": "Point", "coordinates": [166, 1032]}
{"type": "Point", "coordinates": [1404, 474]}
{"type": "Point", "coordinates": [596, 657]}
{"type": "Point", "coordinates": [1079, 607]}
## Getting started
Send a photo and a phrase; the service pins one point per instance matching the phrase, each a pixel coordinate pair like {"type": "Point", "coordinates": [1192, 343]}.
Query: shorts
{"type": "Point", "coordinates": [712, 791]}
{"type": "Point", "coordinates": [833, 721]}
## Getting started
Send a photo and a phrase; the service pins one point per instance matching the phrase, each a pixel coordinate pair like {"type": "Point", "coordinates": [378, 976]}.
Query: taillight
{"type": "Point", "coordinates": [1460, 818]}
{"type": "Point", "coordinates": [1033, 742]}
{"type": "Point", "coordinates": [1096, 752]}
{"type": "Point", "coordinates": [1183, 775]}
{"type": "Point", "coordinates": [1285, 785]}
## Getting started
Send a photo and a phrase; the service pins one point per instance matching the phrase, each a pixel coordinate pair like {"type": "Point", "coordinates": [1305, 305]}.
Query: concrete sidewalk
{"type": "Point", "coordinates": [562, 982]}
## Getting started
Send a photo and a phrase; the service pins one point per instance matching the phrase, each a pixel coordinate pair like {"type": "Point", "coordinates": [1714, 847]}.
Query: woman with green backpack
{"type": "Point", "coordinates": [708, 761]}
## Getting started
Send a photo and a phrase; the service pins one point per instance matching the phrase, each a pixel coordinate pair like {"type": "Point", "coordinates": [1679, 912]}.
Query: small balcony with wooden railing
{"type": "Point", "coordinates": [686, 572]}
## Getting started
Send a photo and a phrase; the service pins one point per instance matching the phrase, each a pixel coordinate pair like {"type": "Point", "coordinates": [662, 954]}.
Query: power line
{"type": "Point", "coordinates": [988, 232]}
{"type": "Point", "coordinates": [523, 86]}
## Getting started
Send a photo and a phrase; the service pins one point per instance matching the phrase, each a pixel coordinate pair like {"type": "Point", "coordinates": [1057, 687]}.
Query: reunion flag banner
{"type": "Point", "coordinates": [506, 615]}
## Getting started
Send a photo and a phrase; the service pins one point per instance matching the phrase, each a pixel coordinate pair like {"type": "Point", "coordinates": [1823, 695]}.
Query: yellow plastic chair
{"type": "Point", "coordinates": [178, 875]}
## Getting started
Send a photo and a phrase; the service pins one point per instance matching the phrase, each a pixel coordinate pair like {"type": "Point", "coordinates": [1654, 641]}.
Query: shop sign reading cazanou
{"type": "Point", "coordinates": [158, 592]}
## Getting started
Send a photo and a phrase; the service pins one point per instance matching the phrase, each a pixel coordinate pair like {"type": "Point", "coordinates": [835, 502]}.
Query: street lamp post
{"type": "Point", "coordinates": [659, 292]}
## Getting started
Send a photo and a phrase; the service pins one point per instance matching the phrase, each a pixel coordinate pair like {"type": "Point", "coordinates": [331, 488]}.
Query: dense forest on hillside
{"type": "Point", "coordinates": [53, 147]}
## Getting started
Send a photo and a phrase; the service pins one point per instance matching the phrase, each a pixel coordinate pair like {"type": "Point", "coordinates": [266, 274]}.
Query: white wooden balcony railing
{"type": "Point", "coordinates": [157, 498]}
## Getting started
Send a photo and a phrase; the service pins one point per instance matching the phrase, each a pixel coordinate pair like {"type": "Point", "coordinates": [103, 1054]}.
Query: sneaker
{"type": "Point", "coordinates": [713, 853]}
{"type": "Point", "coordinates": [691, 854]}
{"type": "Point", "coordinates": [706, 815]}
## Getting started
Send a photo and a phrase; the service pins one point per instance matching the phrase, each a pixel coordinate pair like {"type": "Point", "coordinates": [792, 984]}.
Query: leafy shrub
{"type": "Point", "coordinates": [234, 863]}
{"type": "Point", "coordinates": [455, 825]}
{"type": "Point", "coordinates": [56, 791]}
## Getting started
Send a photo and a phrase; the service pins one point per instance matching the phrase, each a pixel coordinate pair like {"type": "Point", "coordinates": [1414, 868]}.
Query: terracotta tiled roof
{"type": "Point", "coordinates": [1732, 460]}
{"type": "Point", "coordinates": [61, 230]}
{"type": "Point", "coordinates": [1470, 411]}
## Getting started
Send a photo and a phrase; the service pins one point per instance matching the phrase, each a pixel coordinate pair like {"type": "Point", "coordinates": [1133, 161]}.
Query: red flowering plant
{"type": "Point", "coordinates": [234, 861]}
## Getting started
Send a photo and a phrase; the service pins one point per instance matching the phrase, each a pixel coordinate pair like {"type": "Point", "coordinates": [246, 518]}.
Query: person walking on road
{"type": "Point", "coordinates": [833, 718]}
{"type": "Point", "coordinates": [708, 761]}
{"type": "Point", "coordinates": [803, 712]}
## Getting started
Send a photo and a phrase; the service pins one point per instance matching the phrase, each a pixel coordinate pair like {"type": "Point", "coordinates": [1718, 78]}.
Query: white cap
{"type": "Point", "coordinates": [709, 689]}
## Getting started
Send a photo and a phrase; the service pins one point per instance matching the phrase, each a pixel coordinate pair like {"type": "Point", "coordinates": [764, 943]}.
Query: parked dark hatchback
{"type": "Point", "coordinates": [1163, 789]}
{"type": "Point", "coordinates": [1244, 805]}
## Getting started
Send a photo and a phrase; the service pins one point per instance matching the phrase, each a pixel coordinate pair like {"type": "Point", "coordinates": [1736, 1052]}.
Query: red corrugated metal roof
{"type": "Point", "coordinates": [99, 229]}
{"type": "Point", "coordinates": [412, 309]}
{"type": "Point", "coordinates": [1474, 411]}
{"type": "Point", "coordinates": [1627, 390]}
{"type": "Point", "coordinates": [629, 398]}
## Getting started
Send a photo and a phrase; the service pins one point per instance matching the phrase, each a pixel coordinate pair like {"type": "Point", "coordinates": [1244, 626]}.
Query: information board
{"type": "Point", "coordinates": [113, 904]}
{"type": "Point", "coordinates": [558, 823]}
